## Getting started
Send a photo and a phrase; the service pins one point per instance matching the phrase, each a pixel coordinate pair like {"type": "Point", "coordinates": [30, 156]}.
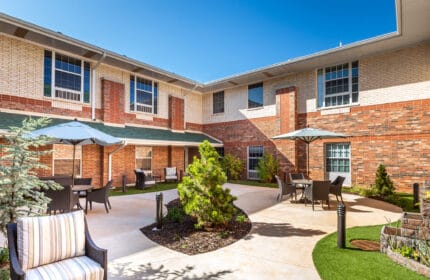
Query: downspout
{"type": "Point", "coordinates": [110, 158]}
{"type": "Point", "coordinates": [94, 87]}
{"type": "Point", "coordinates": [185, 111]}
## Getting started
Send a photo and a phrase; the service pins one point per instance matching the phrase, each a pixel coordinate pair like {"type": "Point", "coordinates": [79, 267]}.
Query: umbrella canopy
{"type": "Point", "coordinates": [309, 135]}
{"type": "Point", "coordinates": [76, 133]}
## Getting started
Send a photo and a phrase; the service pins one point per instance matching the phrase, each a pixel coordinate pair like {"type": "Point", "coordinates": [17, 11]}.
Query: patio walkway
{"type": "Point", "coordinates": [279, 245]}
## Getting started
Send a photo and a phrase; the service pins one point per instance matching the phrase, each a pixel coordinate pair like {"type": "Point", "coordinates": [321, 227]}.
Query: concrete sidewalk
{"type": "Point", "coordinates": [279, 245]}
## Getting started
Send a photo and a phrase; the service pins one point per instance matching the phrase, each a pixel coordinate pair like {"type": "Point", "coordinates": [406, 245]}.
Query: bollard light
{"type": "Point", "coordinates": [159, 213]}
{"type": "Point", "coordinates": [341, 211]}
{"type": "Point", "coordinates": [416, 187]}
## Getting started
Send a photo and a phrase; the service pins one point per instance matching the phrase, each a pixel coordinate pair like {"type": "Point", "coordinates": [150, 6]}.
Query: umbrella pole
{"type": "Point", "coordinates": [73, 166]}
{"type": "Point", "coordinates": [307, 156]}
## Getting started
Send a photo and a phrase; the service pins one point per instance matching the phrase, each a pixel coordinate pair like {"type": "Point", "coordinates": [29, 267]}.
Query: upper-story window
{"type": "Point", "coordinates": [255, 95]}
{"type": "Point", "coordinates": [143, 95]}
{"type": "Point", "coordinates": [66, 77]}
{"type": "Point", "coordinates": [338, 85]}
{"type": "Point", "coordinates": [218, 102]}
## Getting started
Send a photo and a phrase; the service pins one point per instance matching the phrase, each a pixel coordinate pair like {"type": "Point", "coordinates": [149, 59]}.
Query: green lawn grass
{"type": "Point", "coordinates": [155, 188]}
{"type": "Point", "coordinates": [352, 263]}
{"type": "Point", "coordinates": [253, 183]}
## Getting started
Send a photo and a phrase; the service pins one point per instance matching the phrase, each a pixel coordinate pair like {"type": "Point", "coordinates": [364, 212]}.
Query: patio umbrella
{"type": "Point", "coordinates": [309, 135]}
{"type": "Point", "coordinates": [77, 133]}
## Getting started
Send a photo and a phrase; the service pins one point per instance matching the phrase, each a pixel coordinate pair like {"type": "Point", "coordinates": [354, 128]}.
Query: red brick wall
{"type": "Point", "coordinates": [177, 158]}
{"type": "Point", "coordinates": [194, 126]}
{"type": "Point", "coordinates": [113, 102]}
{"type": "Point", "coordinates": [92, 163]}
{"type": "Point", "coordinates": [160, 159]}
{"type": "Point", "coordinates": [176, 113]}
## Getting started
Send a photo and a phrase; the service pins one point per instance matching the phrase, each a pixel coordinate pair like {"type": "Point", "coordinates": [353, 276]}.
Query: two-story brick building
{"type": "Point", "coordinates": [377, 91]}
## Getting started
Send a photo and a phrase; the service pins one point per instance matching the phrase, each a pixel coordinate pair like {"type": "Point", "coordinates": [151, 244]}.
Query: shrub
{"type": "Point", "coordinates": [267, 168]}
{"type": "Point", "coordinates": [4, 256]}
{"type": "Point", "coordinates": [232, 166]}
{"type": "Point", "coordinates": [201, 192]}
{"type": "Point", "coordinates": [383, 184]}
{"type": "Point", "coordinates": [175, 214]}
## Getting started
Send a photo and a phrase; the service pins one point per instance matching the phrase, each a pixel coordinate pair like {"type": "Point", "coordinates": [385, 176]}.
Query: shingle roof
{"type": "Point", "coordinates": [128, 132]}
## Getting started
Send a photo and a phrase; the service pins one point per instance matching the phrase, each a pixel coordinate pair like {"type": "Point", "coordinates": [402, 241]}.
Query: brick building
{"type": "Point", "coordinates": [377, 91]}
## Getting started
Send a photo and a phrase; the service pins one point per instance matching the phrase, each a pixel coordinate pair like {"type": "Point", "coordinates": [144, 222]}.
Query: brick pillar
{"type": "Point", "coordinates": [176, 113]}
{"type": "Point", "coordinates": [113, 102]}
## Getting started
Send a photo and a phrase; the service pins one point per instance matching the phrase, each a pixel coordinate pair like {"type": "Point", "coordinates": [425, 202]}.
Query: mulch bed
{"type": "Point", "coordinates": [184, 238]}
{"type": "Point", "coordinates": [366, 245]}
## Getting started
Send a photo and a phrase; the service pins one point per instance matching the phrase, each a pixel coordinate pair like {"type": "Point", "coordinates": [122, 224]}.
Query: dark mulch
{"type": "Point", "coordinates": [183, 237]}
{"type": "Point", "coordinates": [366, 245]}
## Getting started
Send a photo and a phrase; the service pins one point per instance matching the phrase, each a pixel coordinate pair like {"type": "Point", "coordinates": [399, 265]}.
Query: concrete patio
{"type": "Point", "coordinates": [279, 245]}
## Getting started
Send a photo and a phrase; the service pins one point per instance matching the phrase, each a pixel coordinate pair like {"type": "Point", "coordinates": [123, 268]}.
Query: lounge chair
{"type": "Point", "coordinates": [336, 187]}
{"type": "Point", "coordinates": [100, 196]}
{"type": "Point", "coordinates": [319, 190]}
{"type": "Point", "coordinates": [285, 189]}
{"type": "Point", "coordinates": [52, 250]}
{"type": "Point", "coordinates": [170, 173]}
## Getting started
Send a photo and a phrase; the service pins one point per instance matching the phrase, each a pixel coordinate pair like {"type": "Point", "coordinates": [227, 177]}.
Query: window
{"type": "Point", "coordinates": [255, 153]}
{"type": "Point", "coordinates": [338, 85]}
{"type": "Point", "coordinates": [218, 102]}
{"type": "Point", "coordinates": [143, 95]}
{"type": "Point", "coordinates": [338, 157]}
{"type": "Point", "coordinates": [66, 77]}
{"type": "Point", "coordinates": [63, 158]}
{"type": "Point", "coordinates": [144, 158]}
{"type": "Point", "coordinates": [255, 95]}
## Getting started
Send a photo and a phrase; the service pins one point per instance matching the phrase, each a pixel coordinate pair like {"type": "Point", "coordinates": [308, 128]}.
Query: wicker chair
{"type": "Point", "coordinates": [285, 189]}
{"type": "Point", "coordinates": [336, 187]}
{"type": "Point", "coordinates": [83, 181]}
{"type": "Point", "coordinates": [92, 252]}
{"type": "Point", "coordinates": [100, 196]}
{"type": "Point", "coordinates": [319, 190]}
{"type": "Point", "coordinates": [170, 173]}
{"type": "Point", "coordinates": [61, 200]}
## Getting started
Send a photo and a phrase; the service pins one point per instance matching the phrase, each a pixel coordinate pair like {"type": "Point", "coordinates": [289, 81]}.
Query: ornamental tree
{"type": "Point", "coordinates": [20, 189]}
{"type": "Point", "coordinates": [383, 184]}
{"type": "Point", "coordinates": [267, 168]}
{"type": "Point", "coordinates": [201, 192]}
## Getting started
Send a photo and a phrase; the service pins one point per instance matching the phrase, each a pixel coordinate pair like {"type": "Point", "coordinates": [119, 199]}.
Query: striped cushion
{"type": "Point", "coordinates": [76, 268]}
{"type": "Point", "coordinates": [47, 239]}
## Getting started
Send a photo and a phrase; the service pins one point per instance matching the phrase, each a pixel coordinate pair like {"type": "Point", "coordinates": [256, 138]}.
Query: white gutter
{"type": "Point", "coordinates": [110, 159]}
{"type": "Point", "coordinates": [94, 87]}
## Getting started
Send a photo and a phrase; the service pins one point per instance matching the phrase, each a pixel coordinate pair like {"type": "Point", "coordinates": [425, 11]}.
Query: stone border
{"type": "Point", "coordinates": [409, 263]}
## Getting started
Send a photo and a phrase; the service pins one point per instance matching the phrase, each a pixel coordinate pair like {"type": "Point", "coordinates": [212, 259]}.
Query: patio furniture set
{"type": "Point", "coordinates": [146, 178]}
{"type": "Point", "coordinates": [311, 190]}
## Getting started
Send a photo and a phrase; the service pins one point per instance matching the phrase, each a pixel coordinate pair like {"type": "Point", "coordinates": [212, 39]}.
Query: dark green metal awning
{"type": "Point", "coordinates": [132, 134]}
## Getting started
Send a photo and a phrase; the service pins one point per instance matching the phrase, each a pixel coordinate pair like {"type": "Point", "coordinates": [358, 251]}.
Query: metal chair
{"type": "Point", "coordinates": [285, 189]}
{"type": "Point", "coordinates": [319, 190]}
{"type": "Point", "coordinates": [336, 187]}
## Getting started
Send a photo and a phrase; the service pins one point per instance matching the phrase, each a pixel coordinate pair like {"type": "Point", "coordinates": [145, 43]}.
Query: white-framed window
{"type": "Point", "coordinates": [338, 85]}
{"type": "Point", "coordinates": [143, 95]}
{"type": "Point", "coordinates": [143, 158]}
{"type": "Point", "coordinates": [338, 157]}
{"type": "Point", "coordinates": [255, 153]}
{"type": "Point", "coordinates": [66, 77]}
{"type": "Point", "coordinates": [63, 158]}
{"type": "Point", "coordinates": [218, 102]}
{"type": "Point", "coordinates": [255, 95]}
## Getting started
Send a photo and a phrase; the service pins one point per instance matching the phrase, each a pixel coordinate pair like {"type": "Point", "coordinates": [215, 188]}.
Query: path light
{"type": "Point", "coordinates": [341, 211]}
{"type": "Point", "coordinates": [159, 213]}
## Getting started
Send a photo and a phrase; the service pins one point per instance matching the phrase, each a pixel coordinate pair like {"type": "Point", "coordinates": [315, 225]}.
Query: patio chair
{"type": "Point", "coordinates": [170, 173]}
{"type": "Point", "coordinates": [83, 181]}
{"type": "Point", "coordinates": [52, 251]}
{"type": "Point", "coordinates": [148, 179]}
{"type": "Point", "coordinates": [336, 187]}
{"type": "Point", "coordinates": [319, 190]}
{"type": "Point", "coordinates": [285, 189]}
{"type": "Point", "coordinates": [140, 183]}
{"type": "Point", "coordinates": [61, 200]}
{"type": "Point", "coordinates": [100, 196]}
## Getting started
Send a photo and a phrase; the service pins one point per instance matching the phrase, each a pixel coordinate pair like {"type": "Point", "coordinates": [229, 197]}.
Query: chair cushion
{"type": "Point", "coordinates": [171, 177]}
{"type": "Point", "coordinates": [170, 171]}
{"type": "Point", "coordinates": [47, 239]}
{"type": "Point", "coordinates": [75, 268]}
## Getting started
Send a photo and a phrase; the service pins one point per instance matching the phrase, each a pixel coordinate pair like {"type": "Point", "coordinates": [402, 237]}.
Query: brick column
{"type": "Point", "coordinates": [176, 113]}
{"type": "Point", "coordinates": [113, 102]}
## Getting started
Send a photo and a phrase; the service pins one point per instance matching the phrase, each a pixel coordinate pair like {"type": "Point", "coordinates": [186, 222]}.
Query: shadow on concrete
{"type": "Point", "coordinates": [150, 272]}
{"type": "Point", "coordinates": [280, 230]}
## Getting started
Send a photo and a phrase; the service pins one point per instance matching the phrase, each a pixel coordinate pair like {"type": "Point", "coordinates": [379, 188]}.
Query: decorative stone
{"type": "Point", "coordinates": [409, 263]}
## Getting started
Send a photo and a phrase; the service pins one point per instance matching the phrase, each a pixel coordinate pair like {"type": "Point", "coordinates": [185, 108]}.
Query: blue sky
{"type": "Point", "coordinates": [206, 40]}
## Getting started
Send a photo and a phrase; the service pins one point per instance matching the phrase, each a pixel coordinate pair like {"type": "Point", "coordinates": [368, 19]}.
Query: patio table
{"type": "Point", "coordinates": [79, 189]}
{"type": "Point", "coordinates": [305, 183]}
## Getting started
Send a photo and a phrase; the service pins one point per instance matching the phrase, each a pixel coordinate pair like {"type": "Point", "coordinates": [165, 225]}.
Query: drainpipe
{"type": "Point", "coordinates": [94, 87]}
{"type": "Point", "coordinates": [110, 158]}
{"type": "Point", "coordinates": [185, 111]}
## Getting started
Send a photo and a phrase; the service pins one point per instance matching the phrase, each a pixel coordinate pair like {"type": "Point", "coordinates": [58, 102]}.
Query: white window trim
{"type": "Point", "coordinates": [53, 87]}
{"type": "Point", "coordinates": [247, 162]}
{"type": "Point", "coordinates": [247, 96]}
{"type": "Point", "coordinates": [337, 94]}
{"type": "Point", "coordinates": [135, 96]}
{"type": "Point", "coordinates": [135, 158]}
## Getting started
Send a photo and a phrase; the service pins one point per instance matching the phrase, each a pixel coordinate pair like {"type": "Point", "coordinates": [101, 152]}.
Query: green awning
{"type": "Point", "coordinates": [132, 134]}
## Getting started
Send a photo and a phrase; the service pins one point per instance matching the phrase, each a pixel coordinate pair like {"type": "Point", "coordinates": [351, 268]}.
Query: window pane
{"type": "Point", "coordinates": [67, 80]}
{"type": "Point", "coordinates": [132, 103]}
{"type": "Point", "coordinates": [68, 64]}
{"type": "Point", "coordinates": [87, 82]}
{"type": "Point", "coordinates": [320, 85]}
{"type": "Point", "coordinates": [255, 95]}
{"type": "Point", "coordinates": [218, 102]}
{"type": "Point", "coordinates": [144, 98]}
{"type": "Point", "coordinates": [143, 84]}
{"type": "Point", "coordinates": [47, 74]}
{"type": "Point", "coordinates": [155, 98]}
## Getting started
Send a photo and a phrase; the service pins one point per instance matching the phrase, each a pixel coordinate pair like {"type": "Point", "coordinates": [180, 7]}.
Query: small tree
{"type": "Point", "coordinates": [20, 188]}
{"type": "Point", "coordinates": [201, 192]}
{"type": "Point", "coordinates": [267, 168]}
{"type": "Point", "coordinates": [232, 166]}
{"type": "Point", "coordinates": [383, 184]}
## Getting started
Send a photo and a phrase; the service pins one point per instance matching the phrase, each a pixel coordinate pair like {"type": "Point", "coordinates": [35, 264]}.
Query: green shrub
{"type": "Point", "coordinates": [4, 256]}
{"type": "Point", "coordinates": [175, 214]}
{"type": "Point", "coordinates": [4, 274]}
{"type": "Point", "coordinates": [267, 168]}
{"type": "Point", "coordinates": [232, 166]}
{"type": "Point", "coordinates": [240, 218]}
{"type": "Point", "coordinates": [201, 192]}
{"type": "Point", "coordinates": [383, 184]}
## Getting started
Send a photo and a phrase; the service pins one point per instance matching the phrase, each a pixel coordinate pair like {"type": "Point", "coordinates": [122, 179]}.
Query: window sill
{"type": "Point", "coordinates": [218, 114]}
{"type": "Point", "coordinates": [338, 107]}
{"type": "Point", "coordinates": [255, 108]}
{"type": "Point", "coordinates": [56, 99]}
